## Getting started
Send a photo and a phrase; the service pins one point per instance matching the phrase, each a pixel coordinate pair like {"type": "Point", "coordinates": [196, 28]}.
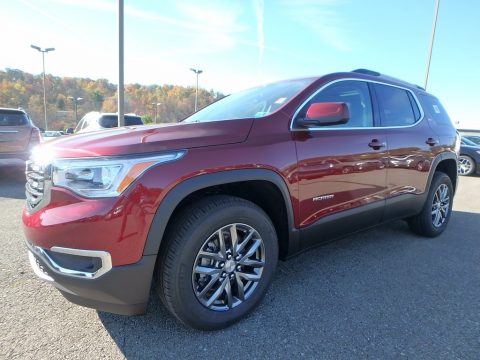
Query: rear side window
{"type": "Point", "coordinates": [108, 121]}
{"type": "Point", "coordinates": [111, 121]}
{"type": "Point", "coordinates": [435, 110]}
{"type": "Point", "coordinates": [397, 106]}
{"type": "Point", "coordinates": [133, 120]}
{"type": "Point", "coordinates": [13, 119]}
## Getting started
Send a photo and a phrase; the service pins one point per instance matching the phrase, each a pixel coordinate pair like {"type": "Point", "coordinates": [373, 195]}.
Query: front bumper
{"type": "Point", "coordinates": [120, 289]}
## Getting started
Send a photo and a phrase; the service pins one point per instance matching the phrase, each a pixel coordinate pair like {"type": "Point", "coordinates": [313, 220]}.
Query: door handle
{"type": "Point", "coordinates": [376, 145]}
{"type": "Point", "coordinates": [431, 141]}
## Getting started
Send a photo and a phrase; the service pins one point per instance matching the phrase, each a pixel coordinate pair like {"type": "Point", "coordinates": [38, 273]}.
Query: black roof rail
{"type": "Point", "coordinates": [367, 72]}
{"type": "Point", "coordinates": [419, 87]}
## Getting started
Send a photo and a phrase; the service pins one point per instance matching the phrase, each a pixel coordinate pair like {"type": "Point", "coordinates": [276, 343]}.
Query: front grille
{"type": "Point", "coordinates": [35, 186]}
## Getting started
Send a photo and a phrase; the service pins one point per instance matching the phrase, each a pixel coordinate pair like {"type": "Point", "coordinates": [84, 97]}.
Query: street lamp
{"type": "Point", "coordinates": [155, 109]}
{"type": "Point", "coordinates": [197, 72]}
{"type": "Point", "coordinates": [43, 51]}
{"type": "Point", "coordinates": [75, 102]}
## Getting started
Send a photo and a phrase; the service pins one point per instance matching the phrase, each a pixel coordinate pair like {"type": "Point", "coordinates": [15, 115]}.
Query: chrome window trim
{"type": "Point", "coordinates": [8, 131]}
{"type": "Point", "coordinates": [104, 256]}
{"type": "Point", "coordinates": [326, 128]}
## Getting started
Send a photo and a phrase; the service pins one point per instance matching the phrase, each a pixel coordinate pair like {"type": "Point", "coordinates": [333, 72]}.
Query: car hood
{"type": "Point", "coordinates": [149, 139]}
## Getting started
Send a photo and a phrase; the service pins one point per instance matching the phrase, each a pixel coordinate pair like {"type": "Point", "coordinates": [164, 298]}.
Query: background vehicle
{"type": "Point", "coordinates": [469, 159]}
{"type": "Point", "coordinates": [94, 121]}
{"type": "Point", "coordinates": [210, 204]}
{"type": "Point", "coordinates": [48, 135]}
{"type": "Point", "coordinates": [18, 136]}
{"type": "Point", "coordinates": [472, 138]}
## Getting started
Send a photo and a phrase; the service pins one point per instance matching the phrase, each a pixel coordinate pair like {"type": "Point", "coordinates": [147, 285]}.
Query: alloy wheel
{"type": "Point", "coordinates": [228, 267]}
{"type": "Point", "coordinates": [464, 165]}
{"type": "Point", "coordinates": [440, 205]}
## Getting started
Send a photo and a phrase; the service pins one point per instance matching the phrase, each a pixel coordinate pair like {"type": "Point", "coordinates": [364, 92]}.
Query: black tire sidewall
{"type": "Point", "coordinates": [186, 304]}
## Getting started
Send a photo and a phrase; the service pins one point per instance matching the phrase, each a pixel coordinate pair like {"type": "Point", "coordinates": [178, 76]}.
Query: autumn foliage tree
{"type": "Point", "coordinates": [166, 103]}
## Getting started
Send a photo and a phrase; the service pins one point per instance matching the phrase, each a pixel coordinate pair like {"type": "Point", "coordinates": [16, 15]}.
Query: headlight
{"type": "Point", "coordinates": [104, 177]}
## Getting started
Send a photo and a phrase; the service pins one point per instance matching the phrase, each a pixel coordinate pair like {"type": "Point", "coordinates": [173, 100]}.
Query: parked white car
{"type": "Point", "coordinates": [94, 121]}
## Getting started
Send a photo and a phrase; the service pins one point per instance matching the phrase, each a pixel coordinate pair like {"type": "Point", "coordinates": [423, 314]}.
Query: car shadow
{"type": "Point", "coordinates": [12, 182]}
{"type": "Point", "coordinates": [361, 291]}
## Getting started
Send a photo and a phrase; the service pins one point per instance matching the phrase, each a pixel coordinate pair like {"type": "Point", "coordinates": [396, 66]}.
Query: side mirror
{"type": "Point", "coordinates": [324, 114]}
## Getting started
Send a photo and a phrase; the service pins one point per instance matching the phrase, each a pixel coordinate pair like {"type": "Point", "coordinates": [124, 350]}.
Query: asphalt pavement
{"type": "Point", "coordinates": [379, 294]}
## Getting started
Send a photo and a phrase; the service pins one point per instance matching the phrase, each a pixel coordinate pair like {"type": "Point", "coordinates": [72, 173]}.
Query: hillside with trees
{"type": "Point", "coordinates": [166, 103]}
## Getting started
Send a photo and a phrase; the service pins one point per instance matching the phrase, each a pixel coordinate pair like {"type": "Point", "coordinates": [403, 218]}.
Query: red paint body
{"type": "Point", "coordinates": [312, 164]}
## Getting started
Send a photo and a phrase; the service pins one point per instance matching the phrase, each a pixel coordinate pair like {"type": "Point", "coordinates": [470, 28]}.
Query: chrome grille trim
{"type": "Point", "coordinates": [35, 187]}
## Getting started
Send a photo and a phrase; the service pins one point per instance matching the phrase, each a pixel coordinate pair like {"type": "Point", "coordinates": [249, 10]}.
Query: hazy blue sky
{"type": "Point", "coordinates": [239, 44]}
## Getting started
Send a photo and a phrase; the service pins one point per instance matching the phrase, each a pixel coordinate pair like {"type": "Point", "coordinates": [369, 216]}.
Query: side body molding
{"type": "Point", "coordinates": [189, 186]}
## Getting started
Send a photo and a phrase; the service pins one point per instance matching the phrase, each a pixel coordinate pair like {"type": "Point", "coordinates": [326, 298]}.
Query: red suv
{"type": "Point", "coordinates": [207, 206]}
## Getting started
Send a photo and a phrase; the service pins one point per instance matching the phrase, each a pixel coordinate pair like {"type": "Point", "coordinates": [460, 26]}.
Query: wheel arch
{"type": "Point", "coordinates": [263, 187]}
{"type": "Point", "coordinates": [446, 163]}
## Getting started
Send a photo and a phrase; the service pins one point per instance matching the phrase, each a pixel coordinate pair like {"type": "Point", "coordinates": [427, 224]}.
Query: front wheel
{"type": "Point", "coordinates": [435, 215]}
{"type": "Point", "coordinates": [219, 260]}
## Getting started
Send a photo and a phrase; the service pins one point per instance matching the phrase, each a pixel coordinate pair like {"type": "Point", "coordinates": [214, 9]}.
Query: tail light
{"type": "Point", "coordinates": [35, 138]}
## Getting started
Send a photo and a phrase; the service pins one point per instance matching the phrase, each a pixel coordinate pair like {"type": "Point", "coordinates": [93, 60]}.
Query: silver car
{"type": "Point", "coordinates": [18, 136]}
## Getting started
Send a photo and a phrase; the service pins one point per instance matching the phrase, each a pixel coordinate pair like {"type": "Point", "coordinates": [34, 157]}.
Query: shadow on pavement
{"type": "Point", "coordinates": [379, 293]}
{"type": "Point", "coordinates": [12, 182]}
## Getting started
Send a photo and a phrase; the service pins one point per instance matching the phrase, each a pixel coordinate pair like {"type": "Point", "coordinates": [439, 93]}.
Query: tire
{"type": "Point", "coordinates": [436, 212]}
{"type": "Point", "coordinates": [195, 268]}
{"type": "Point", "coordinates": [465, 165]}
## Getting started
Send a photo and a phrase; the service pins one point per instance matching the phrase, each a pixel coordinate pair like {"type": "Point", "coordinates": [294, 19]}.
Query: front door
{"type": "Point", "coordinates": [342, 168]}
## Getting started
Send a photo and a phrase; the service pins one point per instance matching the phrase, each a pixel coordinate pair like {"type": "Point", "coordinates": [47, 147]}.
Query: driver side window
{"type": "Point", "coordinates": [357, 97]}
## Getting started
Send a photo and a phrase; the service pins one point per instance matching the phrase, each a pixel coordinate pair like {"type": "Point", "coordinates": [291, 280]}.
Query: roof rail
{"type": "Point", "coordinates": [367, 72]}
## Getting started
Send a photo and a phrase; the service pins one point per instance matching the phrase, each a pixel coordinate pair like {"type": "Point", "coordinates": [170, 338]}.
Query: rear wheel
{"type": "Point", "coordinates": [219, 260]}
{"type": "Point", "coordinates": [465, 165]}
{"type": "Point", "coordinates": [435, 215]}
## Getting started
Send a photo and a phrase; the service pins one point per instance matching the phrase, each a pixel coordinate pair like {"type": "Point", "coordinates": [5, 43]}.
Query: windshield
{"type": "Point", "coordinates": [253, 103]}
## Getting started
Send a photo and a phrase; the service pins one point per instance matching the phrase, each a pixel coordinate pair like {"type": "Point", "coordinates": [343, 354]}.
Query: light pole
{"type": "Point", "coordinates": [43, 51]}
{"type": "Point", "coordinates": [75, 103]}
{"type": "Point", "coordinates": [197, 72]}
{"type": "Point", "coordinates": [432, 39]}
{"type": "Point", "coordinates": [121, 117]}
{"type": "Point", "coordinates": [155, 109]}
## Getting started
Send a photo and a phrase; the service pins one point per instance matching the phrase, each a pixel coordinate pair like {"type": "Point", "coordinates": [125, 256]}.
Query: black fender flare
{"type": "Point", "coordinates": [437, 160]}
{"type": "Point", "coordinates": [189, 186]}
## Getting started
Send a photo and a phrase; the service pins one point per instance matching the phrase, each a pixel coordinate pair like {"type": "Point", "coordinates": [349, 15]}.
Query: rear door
{"type": "Point", "coordinates": [15, 131]}
{"type": "Point", "coordinates": [412, 146]}
{"type": "Point", "coordinates": [342, 168]}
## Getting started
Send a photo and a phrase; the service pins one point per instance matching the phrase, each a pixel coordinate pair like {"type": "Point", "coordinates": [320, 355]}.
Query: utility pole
{"type": "Point", "coordinates": [197, 72]}
{"type": "Point", "coordinates": [43, 51]}
{"type": "Point", "coordinates": [121, 118]}
{"type": "Point", "coordinates": [432, 39]}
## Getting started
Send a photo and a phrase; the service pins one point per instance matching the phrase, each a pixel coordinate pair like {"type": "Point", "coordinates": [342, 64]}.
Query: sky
{"type": "Point", "coordinates": [243, 43]}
